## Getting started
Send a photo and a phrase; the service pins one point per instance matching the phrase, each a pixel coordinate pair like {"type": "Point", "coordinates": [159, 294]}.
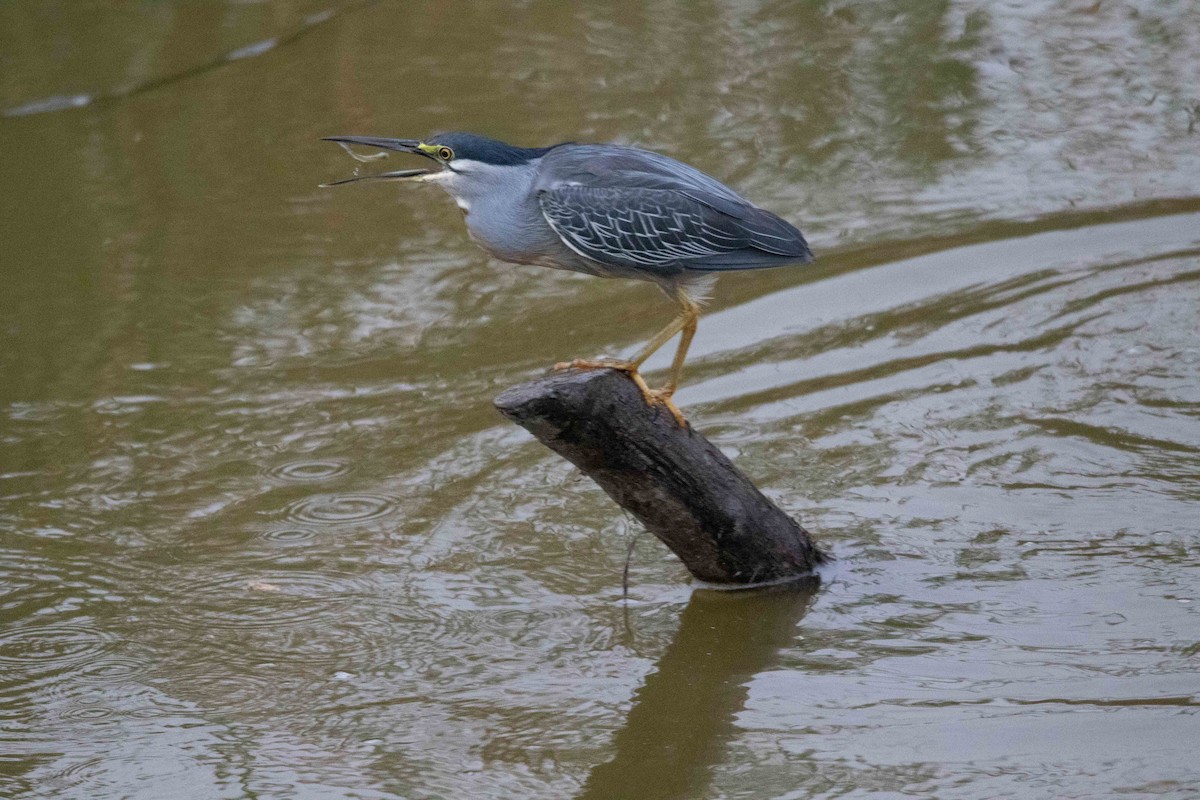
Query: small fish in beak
{"type": "Point", "coordinates": [398, 145]}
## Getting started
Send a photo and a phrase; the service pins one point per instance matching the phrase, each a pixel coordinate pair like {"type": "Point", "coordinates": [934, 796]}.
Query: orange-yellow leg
{"type": "Point", "coordinates": [686, 322]}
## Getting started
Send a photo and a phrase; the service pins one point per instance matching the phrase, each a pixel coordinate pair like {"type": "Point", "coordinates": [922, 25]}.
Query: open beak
{"type": "Point", "coordinates": [399, 145]}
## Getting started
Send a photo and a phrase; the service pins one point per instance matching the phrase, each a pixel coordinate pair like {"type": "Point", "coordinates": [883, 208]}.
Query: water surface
{"type": "Point", "coordinates": [262, 534]}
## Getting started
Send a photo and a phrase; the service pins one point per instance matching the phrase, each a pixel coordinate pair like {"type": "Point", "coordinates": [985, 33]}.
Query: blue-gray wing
{"type": "Point", "coordinates": [665, 230]}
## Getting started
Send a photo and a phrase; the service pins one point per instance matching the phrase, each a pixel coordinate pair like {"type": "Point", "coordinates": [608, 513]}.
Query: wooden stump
{"type": "Point", "coordinates": [672, 479]}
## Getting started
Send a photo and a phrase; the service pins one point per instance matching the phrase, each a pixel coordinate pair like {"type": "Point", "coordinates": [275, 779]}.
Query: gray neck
{"type": "Point", "coordinates": [502, 211]}
{"type": "Point", "coordinates": [473, 184]}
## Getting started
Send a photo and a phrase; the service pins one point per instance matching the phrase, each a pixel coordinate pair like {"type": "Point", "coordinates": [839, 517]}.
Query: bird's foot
{"type": "Point", "coordinates": [663, 397]}
{"type": "Point", "coordinates": [653, 397]}
{"type": "Point", "coordinates": [627, 367]}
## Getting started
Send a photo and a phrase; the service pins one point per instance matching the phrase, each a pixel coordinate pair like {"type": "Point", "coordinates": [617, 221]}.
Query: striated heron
{"type": "Point", "coordinates": [606, 210]}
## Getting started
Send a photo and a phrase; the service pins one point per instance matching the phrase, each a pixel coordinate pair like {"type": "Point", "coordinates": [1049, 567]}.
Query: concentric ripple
{"type": "Point", "coordinates": [325, 509]}
{"type": "Point", "coordinates": [289, 536]}
{"type": "Point", "coordinates": [110, 669]}
{"type": "Point", "coordinates": [49, 646]}
{"type": "Point", "coordinates": [87, 713]}
{"type": "Point", "coordinates": [267, 599]}
{"type": "Point", "coordinates": [309, 470]}
{"type": "Point", "coordinates": [75, 774]}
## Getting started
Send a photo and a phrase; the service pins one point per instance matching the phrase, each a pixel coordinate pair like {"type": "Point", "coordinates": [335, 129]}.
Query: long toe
{"type": "Point", "coordinates": [598, 363]}
{"type": "Point", "coordinates": [653, 397]}
{"type": "Point", "coordinates": [663, 397]}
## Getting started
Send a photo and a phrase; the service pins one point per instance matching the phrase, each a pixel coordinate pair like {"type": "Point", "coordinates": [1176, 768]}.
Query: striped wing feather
{"type": "Point", "coordinates": [664, 229]}
{"type": "Point", "coordinates": [627, 206]}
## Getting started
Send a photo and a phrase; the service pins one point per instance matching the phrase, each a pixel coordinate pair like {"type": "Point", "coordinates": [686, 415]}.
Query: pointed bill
{"type": "Point", "coordinates": [414, 146]}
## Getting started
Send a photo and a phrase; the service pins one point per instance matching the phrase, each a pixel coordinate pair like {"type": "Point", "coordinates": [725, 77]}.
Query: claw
{"type": "Point", "coordinates": [663, 397]}
{"type": "Point", "coordinates": [653, 397]}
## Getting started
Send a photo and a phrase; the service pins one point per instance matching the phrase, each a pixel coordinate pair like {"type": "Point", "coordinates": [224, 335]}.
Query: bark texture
{"type": "Point", "coordinates": [672, 479]}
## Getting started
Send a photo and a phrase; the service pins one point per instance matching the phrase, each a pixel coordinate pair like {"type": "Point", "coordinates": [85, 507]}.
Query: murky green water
{"type": "Point", "coordinates": [262, 534]}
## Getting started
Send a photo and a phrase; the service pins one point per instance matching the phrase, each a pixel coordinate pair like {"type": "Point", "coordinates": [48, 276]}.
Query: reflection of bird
{"type": "Point", "coordinates": [605, 210]}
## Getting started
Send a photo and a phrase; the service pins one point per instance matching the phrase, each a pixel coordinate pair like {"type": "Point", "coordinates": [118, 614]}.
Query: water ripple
{"type": "Point", "coordinates": [87, 713]}
{"type": "Point", "coordinates": [309, 470]}
{"type": "Point", "coordinates": [334, 508]}
{"type": "Point", "coordinates": [266, 600]}
{"type": "Point", "coordinates": [49, 646]}
{"type": "Point", "coordinates": [109, 669]}
{"type": "Point", "coordinates": [289, 536]}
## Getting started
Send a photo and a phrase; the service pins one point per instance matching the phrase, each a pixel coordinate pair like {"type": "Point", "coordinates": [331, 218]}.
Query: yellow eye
{"type": "Point", "coordinates": [445, 153]}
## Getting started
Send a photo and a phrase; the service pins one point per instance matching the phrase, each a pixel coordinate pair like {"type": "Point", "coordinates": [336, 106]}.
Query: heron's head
{"type": "Point", "coordinates": [453, 154]}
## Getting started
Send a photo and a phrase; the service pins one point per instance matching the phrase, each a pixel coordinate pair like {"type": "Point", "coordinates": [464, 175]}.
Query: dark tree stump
{"type": "Point", "coordinates": [676, 482]}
